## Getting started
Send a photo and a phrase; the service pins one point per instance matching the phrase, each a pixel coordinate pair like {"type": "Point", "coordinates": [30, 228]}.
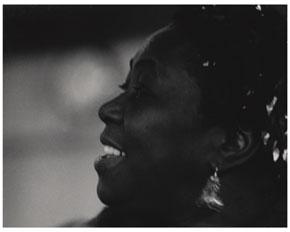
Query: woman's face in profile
{"type": "Point", "coordinates": [156, 123]}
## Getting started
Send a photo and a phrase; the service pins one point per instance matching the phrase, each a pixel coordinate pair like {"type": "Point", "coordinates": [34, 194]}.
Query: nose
{"type": "Point", "coordinates": [111, 112]}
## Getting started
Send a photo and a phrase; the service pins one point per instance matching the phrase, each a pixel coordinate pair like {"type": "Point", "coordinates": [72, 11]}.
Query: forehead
{"type": "Point", "coordinates": [166, 45]}
{"type": "Point", "coordinates": [169, 50]}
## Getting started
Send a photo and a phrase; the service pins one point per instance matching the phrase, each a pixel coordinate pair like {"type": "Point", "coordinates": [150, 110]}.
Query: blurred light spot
{"type": "Point", "coordinates": [205, 64]}
{"type": "Point", "coordinates": [250, 92]}
{"type": "Point", "coordinates": [258, 7]}
{"type": "Point", "coordinates": [266, 137]}
{"type": "Point", "coordinates": [271, 105]}
{"type": "Point", "coordinates": [28, 101]}
{"type": "Point", "coordinates": [284, 156]}
{"type": "Point", "coordinates": [84, 77]}
{"type": "Point", "coordinates": [276, 154]}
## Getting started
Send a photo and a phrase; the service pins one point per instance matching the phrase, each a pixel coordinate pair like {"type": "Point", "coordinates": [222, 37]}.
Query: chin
{"type": "Point", "coordinates": [105, 194]}
{"type": "Point", "coordinates": [108, 195]}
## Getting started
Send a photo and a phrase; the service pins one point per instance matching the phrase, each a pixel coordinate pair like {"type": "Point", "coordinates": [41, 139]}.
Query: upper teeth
{"type": "Point", "coordinates": [113, 151]}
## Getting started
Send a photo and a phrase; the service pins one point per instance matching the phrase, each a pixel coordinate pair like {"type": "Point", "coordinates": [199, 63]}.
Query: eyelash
{"type": "Point", "coordinates": [138, 89]}
{"type": "Point", "coordinates": [124, 86]}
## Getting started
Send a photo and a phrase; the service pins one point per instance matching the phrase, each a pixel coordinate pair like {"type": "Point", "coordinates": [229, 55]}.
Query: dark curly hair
{"type": "Point", "coordinates": [244, 52]}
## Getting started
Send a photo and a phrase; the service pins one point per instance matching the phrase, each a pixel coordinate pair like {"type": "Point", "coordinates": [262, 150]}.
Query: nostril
{"type": "Point", "coordinates": [111, 112]}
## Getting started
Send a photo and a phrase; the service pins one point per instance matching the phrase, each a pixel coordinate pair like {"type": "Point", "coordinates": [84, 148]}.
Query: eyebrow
{"type": "Point", "coordinates": [139, 64]}
{"type": "Point", "coordinates": [146, 61]}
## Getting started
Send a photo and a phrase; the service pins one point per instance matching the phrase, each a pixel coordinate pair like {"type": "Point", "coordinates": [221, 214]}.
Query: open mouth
{"type": "Point", "coordinates": [111, 157]}
{"type": "Point", "coordinates": [110, 152]}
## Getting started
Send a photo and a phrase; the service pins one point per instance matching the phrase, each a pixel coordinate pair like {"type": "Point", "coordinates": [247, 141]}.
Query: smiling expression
{"type": "Point", "coordinates": [154, 135]}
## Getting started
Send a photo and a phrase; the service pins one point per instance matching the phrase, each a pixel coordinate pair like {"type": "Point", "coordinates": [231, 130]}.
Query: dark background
{"type": "Point", "coordinates": [34, 28]}
{"type": "Point", "coordinates": [60, 64]}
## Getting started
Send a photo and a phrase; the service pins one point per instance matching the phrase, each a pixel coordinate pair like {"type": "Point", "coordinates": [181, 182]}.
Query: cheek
{"type": "Point", "coordinates": [157, 134]}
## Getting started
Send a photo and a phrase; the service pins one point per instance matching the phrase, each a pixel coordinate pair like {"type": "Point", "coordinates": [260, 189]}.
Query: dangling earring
{"type": "Point", "coordinates": [210, 193]}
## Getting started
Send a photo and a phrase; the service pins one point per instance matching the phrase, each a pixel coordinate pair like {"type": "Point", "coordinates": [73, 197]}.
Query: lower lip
{"type": "Point", "coordinates": [106, 164]}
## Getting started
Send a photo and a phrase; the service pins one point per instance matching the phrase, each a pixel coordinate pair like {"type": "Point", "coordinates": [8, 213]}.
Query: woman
{"type": "Point", "coordinates": [184, 143]}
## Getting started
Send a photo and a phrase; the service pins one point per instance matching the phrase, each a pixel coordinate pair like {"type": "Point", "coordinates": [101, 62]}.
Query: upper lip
{"type": "Point", "coordinates": [108, 141]}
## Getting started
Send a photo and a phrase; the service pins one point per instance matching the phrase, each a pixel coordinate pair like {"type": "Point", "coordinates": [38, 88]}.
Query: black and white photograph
{"type": "Point", "coordinates": [144, 116]}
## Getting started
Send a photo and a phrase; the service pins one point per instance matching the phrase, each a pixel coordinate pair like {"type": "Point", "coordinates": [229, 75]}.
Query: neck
{"type": "Point", "coordinates": [245, 192]}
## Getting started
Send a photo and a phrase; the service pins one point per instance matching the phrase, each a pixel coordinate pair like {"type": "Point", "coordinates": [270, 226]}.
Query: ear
{"type": "Point", "coordinates": [234, 149]}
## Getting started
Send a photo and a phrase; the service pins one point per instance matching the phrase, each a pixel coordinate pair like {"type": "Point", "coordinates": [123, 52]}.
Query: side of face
{"type": "Point", "coordinates": [156, 122]}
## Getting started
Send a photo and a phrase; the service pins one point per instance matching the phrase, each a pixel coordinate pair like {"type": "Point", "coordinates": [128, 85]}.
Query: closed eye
{"type": "Point", "coordinates": [137, 87]}
{"type": "Point", "coordinates": [140, 88]}
{"type": "Point", "coordinates": [124, 86]}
